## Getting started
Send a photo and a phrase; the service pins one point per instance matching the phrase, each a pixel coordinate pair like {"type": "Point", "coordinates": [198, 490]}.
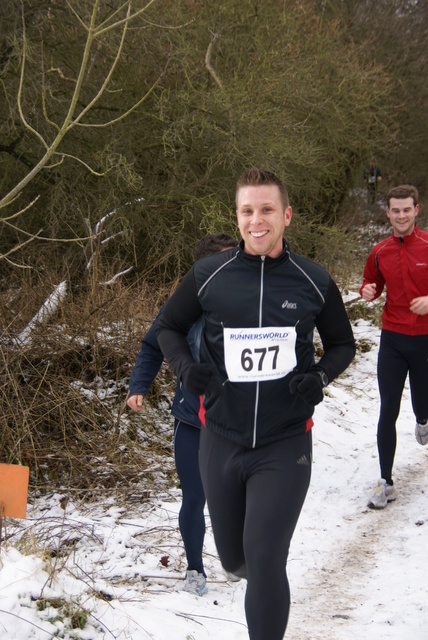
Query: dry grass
{"type": "Point", "coordinates": [63, 396]}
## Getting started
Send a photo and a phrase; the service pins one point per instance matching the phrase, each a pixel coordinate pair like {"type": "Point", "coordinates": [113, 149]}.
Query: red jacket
{"type": "Point", "coordinates": [400, 264]}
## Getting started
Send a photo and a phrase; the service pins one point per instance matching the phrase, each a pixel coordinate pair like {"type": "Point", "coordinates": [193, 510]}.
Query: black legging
{"type": "Point", "coordinates": [254, 498]}
{"type": "Point", "coordinates": [399, 355]}
{"type": "Point", "coordinates": [191, 518]}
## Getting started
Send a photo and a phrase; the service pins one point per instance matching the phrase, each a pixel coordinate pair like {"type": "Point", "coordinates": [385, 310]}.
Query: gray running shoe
{"type": "Point", "coordinates": [232, 577]}
{"type": "Point", "coordinates": [195, 583]}
{"type": "Point", "coordinates": [421, 433]}
{"type": "Point", "coordinates": [384, 493]}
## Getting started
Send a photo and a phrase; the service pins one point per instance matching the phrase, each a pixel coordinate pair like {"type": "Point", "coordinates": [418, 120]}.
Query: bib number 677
{"type": "Point", "coordinates": [249, 358]}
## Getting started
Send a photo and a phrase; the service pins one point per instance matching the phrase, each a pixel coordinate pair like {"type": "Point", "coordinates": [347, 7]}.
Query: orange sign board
{"type": "Point", "coordinates": [14, 490]}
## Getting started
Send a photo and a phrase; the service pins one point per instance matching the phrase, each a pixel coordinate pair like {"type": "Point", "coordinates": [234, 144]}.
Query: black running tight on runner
{"type": "Point", "coordinates": [399, 355]}
{"type": "Point", "coordinates": [254, 498]}
{"type": "Point", "coordinates": [191, 518]}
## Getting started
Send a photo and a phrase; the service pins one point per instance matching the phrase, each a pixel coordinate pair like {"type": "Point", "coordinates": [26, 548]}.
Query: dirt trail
{"type": "Point", "coordinates": [328, 606]}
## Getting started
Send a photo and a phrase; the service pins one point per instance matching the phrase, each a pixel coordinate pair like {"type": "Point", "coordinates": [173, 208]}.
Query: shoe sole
{"type": "Point", "coordinates": [195, 592]}
{"type": "Point", "coordinates": [381, 506]}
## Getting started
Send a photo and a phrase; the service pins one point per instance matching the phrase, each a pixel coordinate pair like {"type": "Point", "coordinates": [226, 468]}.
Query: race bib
{"type": "Point", "coordinates": [259, 354]}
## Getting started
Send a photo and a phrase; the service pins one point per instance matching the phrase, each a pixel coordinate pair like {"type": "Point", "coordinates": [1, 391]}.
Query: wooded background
{"type": "Point", "coordinates": [152, 109]}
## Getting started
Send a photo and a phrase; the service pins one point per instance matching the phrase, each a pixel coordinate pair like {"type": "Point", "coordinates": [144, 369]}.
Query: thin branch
{"type": "Point", "coordinates": [68, 155]}
{"type": "Point", "coordinates": [30, 622]}
{"type": "Point", "coordinates": [101, 30]}
{"type": "Point", "coordinates": [98, 226]}
{"type": "Point", "coordinates": [112, 237]}
{"type": "Point", "coordinates": [169, 27]}
{"type": "Point", "coordinates": [217, 80]}
{"type": "Point", "coordinates": [60, 72]}
{"type": "Point", "coordinates": [107, 79]}
{"type": "Point", "coordinates": [135, 106]}
{"type": "Point", "coordinates": [102, 243]}
{"type": "Point", "coordinates": [4, 204]}
{"type": "Point", "coordinates": [55, 164]}
{"type": "Point", "coordinates": [20, 245]}
{"type": "Point", "coordinates": [44, 109]}
{"type": "Point", "coordinates": [79, 19]}
{"type": "Point", "coordinates": [18, 266]}
{"type": "Point", "coordinates": [116, 277]}
{"type": "Point", "coordinates": [21, 82]}
{"type": "Point", "coordinates": [115, 13]}
{"type": "Point", "coordinates": [62, 240]}
{"type": "Point", "coordinates": [208, 65]}
{"type": "Point", "coordinates": [15, 215]}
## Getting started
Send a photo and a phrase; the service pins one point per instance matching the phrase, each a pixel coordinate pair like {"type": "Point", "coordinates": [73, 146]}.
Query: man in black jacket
{"type": "Point", "coordinates": [258, 383]}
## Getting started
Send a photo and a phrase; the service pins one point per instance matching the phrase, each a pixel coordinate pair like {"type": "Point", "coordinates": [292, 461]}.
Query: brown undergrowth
{"type": "Point", "coordinates": [63, 393]}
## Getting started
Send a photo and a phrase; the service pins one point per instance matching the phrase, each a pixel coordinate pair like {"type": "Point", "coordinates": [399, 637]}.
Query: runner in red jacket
{"type": "Point", "coordinates": [400, 263]}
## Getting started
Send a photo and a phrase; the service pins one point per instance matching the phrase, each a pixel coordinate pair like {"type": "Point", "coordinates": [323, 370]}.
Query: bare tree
{"type": "Point", "coordinates": [76, 116]}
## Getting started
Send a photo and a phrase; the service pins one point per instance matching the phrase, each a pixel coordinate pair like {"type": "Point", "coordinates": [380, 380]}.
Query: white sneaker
{"type": "Point", "coordinates": [384, 493]}
{"type": "Point", "coordinates": [195, 583]}
{"type": "Point", "coordinates": [421, 433]}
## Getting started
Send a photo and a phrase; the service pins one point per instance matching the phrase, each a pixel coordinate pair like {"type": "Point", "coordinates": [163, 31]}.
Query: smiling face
{"type": "Point", "coordinates": [262, 219]}
{"type": "Point", "coordinates": [402, 214]}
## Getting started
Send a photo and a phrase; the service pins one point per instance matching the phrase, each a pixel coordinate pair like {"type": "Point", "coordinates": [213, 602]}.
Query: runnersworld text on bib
{"type": "Point", "coordinates": [259, 354]}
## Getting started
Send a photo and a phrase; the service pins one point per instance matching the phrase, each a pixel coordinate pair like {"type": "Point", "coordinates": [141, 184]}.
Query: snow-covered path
{"type": "Point", "coordinates": [369, 578]}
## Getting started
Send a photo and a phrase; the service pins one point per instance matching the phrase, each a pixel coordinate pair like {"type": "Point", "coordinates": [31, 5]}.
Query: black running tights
{"type": "Point", "coordinates": [399, 355]}
{"type": "Point", "coordinates": [254, 499]}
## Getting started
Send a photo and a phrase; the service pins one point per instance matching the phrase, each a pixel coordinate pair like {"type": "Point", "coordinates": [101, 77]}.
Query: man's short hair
{"type": "Point", "coordinates": [255, 177]}
{"type": "Point", "coordinates": [403, 191]}
{"type": "Point", "coordinates": [213, 243]}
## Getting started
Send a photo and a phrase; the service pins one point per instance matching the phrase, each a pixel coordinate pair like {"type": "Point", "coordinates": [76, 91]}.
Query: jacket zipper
{"type": "Point", "coordinates": [256, 405]}
{"type": "Point", "coordinates": [404, 267]}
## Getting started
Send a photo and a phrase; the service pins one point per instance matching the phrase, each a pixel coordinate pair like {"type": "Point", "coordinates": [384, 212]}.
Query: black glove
{"type": "Point", "coordinates": [196, 377]}
{"type": "Point", "coordinates": [309, 386]}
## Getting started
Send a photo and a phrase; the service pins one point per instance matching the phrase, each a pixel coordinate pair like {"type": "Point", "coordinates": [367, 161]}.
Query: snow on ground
{"type": "Point", "coordinates": [354, 572]}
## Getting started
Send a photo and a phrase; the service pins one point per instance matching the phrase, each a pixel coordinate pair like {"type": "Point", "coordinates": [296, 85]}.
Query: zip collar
{"type": "Point", "coordinates": [406, 239]}
{"type": "Point", "coordinates": [283, 256]}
